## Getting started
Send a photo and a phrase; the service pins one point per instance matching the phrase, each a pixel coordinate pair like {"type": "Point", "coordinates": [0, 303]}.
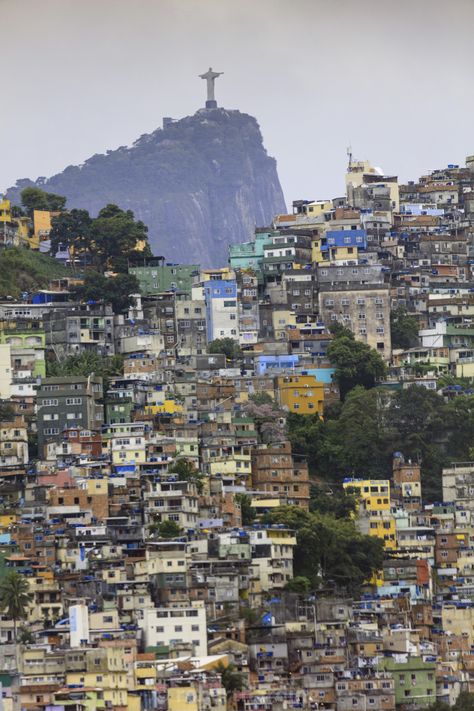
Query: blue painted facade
{"type": "Point", "coordinates": [345, 238]}
{"type": "Point", "coordinates": [264, 364]}
{"type": "Point", "coordinates": [324, 375]}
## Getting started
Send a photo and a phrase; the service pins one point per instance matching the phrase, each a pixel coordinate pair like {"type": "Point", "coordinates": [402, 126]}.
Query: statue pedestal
{"type": "Point", "coordinates": [211, 104]}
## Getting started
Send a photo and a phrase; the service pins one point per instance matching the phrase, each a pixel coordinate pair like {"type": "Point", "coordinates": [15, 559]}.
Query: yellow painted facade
{"type": "Point", "coordinates": [168, 407]}
{"type": "Point", "coordinates": [97, 486]}
{"type": "Point", "coordinates": [137, 455]}
{"type": "Point", "coordinates": [224, 273]}
{"type": "Point", "coordinates": [7, 520]}
{"type": "Point", "coordinates": [22, 224]}
{"type": "Point", "coordinates": [374, 500]}
{"type": "Point", "coordinates": [42, 223]}
{"type": "Point", "coordinates": [302, 394]}
{"type": "Point", "coordinates": [281, 320]}
{"type": "Point", "coordinates": [113, 684]}
{"type": "Point", "coordinates": [5, 211]}
{"type": "Point", "coordinates": [183, 698]}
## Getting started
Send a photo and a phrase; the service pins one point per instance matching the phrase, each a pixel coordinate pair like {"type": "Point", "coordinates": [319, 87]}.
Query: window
{"type": "Point", "coordinates": [74, 401]}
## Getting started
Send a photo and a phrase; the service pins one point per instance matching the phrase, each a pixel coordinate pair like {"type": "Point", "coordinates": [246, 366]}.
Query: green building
{"type": "Point", "coordinates": [415, 681]}
{"type": "Point", "coordinates": [155, 277]}
{"type": "Point", "coordinates": [118, 409]}
{"type": "Point", "coordinates": [27, 341]}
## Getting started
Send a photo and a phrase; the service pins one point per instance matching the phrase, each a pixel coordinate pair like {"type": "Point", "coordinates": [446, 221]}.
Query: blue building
{"type": "Point", "coordinates": [269, 364]}
{"type": "Point", "coordinates": [344, 238]}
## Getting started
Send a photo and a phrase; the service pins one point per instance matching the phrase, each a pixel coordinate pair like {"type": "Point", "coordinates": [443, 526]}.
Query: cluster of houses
{"type": "Point", "coordinates": [125, 496]}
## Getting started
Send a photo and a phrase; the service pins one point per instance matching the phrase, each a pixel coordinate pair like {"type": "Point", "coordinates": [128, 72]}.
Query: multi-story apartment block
{"type": "Point", "coordinates": [65, 402]}
{"type": "Point", "coordinates": [175, 626]}
{"type": "Point", "coordinates": [221, 309]}
{"type": "Point", "coordinates": [280, 474]}
{"type": "Point", "coordinates": [156, 276]}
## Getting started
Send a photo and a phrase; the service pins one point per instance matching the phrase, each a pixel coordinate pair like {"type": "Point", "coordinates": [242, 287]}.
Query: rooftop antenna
{"type": "Point", "coordinates": [349, 155]}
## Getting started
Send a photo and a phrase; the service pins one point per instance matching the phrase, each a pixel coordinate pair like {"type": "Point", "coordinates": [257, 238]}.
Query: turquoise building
{"type": "Point", "coordinates": [249, 255]}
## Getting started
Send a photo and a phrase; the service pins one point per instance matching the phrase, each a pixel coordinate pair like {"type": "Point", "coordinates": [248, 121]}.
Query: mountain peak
{"type": "Point", "coordinates": [200, 183]}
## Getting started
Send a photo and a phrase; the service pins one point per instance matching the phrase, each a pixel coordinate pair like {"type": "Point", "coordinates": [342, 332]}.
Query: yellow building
{"type": "Point", "coordinates": [17, 227]}
{"type": "Point", "coordinates": [375, 517]}
{"type": "Point", "coordinates": [281, 319]}
{"type": "Point", "coordinates": [303, 394]}
{"type": "Point", "coordinates": [42, 223]}
{"type": "Point", "coordinates": [113, 685]}
{"type": "Point", "coordinates": [183, 698]}
{"type": "Point", "coordinates": [230, 462]}
{"type": "Point", "coordinates": [167, 407]}
{"type": "Point", "coordinates": [223, 273]}
{"type": "Point", "coordinates": [318, 207]}
{"type": "Point", "coordinates": [7, 520]}
{"type": "Point", "coordinates": [5, 211]}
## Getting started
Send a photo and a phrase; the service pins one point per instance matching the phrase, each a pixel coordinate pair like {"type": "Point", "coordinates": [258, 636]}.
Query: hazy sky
{"type": "Point", "coordinates": [391, 77]}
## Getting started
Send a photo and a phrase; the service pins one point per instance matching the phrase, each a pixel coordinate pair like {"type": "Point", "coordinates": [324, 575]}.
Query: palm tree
{"type": "Point", "coordinates": [14, 597]}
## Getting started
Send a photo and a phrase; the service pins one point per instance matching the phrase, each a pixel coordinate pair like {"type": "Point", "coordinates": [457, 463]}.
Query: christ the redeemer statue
{"type": "Point", "coordinates": [210, 78]}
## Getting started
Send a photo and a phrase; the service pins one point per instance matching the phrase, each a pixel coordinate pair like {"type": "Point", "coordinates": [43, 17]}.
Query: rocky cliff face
{"type": "Point", "coordinates": [200, 184]}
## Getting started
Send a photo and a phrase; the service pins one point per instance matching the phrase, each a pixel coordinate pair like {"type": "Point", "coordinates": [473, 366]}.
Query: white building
{"type": "Point", "coordinates": [170, 626]}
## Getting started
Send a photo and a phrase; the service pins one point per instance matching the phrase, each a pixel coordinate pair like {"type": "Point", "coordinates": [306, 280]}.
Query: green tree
{"type": "Point", "coordinates": [166, 529]}
{"type": "Point", "coordinates": [355, 362]}
{"type": "Point", "coordinates": [354, 442]}
{"type": "Point", "coordinates": [24, 636]}
{"type": "Point", "coordinates": [7, 411]}
{"type": "Point", "coordinates": [404, 328]}
{"type": "Point", "coordinates": [186, 471]}
{"type": "Point", "coordinates": [464, 702]}
{"type": "Point", "coordinates": [330, 550]}
{"type": "Point", "coordinates": [228, 346]}
{"type": "Point", "coordinates": [339, 502]}
{"type": "Point", "coordinates": [85, 364]}
{"type": "Point", "coordinates": [71, 230]}
{"type": "Point", "coordinates": [114, 290]}
{"type": "Point", "coordinates": [116, 237]}
{"type": "Point", "coordinates": [14, 597]}
{"type": "Point", "coordinates": [308, 435]}
{"type": "Point", "coordinates": [232, 680]}
{"type": "Point", "coordinates": [357, 443]}
{"type": "Point", "coordinates": [300, 585]}
{"type": "Point", "coordinates": [246, 509]}
{"type": "Point", "coordinates": [36, 199]}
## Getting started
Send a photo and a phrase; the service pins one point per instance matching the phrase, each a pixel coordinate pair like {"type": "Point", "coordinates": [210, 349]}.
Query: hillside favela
{"type": "Point", "coordinates": [236, 439]}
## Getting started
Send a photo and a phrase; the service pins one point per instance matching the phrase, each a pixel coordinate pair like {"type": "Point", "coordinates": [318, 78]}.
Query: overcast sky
{"type": "Point", "coordinates": [391, 77]}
